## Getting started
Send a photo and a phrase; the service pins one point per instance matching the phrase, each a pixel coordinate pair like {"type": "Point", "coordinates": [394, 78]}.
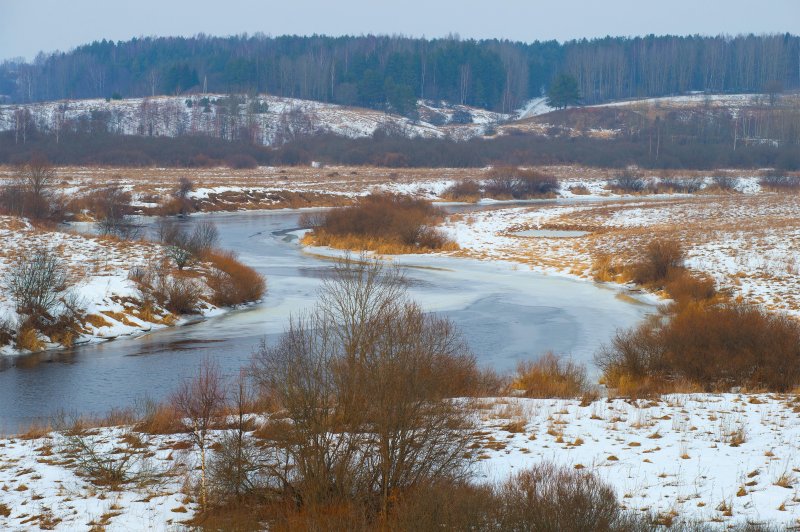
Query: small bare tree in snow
{"type": "Point", "coordinates": [199, 401]}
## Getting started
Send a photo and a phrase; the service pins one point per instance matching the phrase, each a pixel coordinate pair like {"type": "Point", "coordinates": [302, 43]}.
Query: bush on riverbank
{"type": "Point", "coordinates": [386, 223]}
{"type": "Point", "coordinates": [708, 348]}
{"type": "Point", "coordinates": [232, 282]}
{"type": "Point", "coordinates": [467, 190]}
{"type": "Point", "coordinates": [550, 376]}
{"type": "Point", "coordinates": [509, 182]}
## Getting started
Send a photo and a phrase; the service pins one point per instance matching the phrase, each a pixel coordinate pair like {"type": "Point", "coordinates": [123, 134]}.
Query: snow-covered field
{"type": "Point", "coordinates": [749, 242]}
{"type": "Point", "coordinates": [716, 458]}
{"type": "Point", "coordinates": [721, 459]}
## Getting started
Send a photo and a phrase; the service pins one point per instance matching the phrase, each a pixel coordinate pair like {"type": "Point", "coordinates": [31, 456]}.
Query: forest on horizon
{"type": "Point", "coordinates": [391, 72]}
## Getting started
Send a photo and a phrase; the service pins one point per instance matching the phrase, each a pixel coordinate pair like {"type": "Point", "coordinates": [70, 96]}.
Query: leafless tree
{"type": "Point", "coordinates": [30, 192]}
{"type": "Point", "coordinates": [200, 401]}
{"type": "Point", "coordinates": [185, 186]}
{"type": "Point", "coordinates": [112, 206]}
{"type": "Point", "coordinates": [366, 380]}
{"type": "Point", "coordinates": [234, 470]}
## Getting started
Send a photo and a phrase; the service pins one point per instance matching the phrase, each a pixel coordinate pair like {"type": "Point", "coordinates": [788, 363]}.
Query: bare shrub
{"type": "Point", "coordinates": [517, 183]}
{"type": "Point", "coordinates": [550, 497]}
{"type": "Point", "coordinates": [550, 376]}
{"type": "Point", "coordinates": [111, 206]}
{"type": "Point", "coordinates": [687, 185]}
{"type": "Point", "coordinates": [234, 471]}
{"type": "Point", "coordinates": [379, 221]}
{"type": "Point", "coordinates": [200, 401]}
{"type": "Point", "coordinates": [182, 245]}
{"type": "Point", "coordinates": [660, 258]}
{"type": "Point", "coordinates": [629, 180]}
{"type": "Point", "coordinates": [176, 293]}
{"type": "Point", "coordinates": [780, 182]}
{"type": "Point", "coordinates": [181, 202]}
{"type": "Point", "coordinates": [6, 331]}
{"type": "Point", "coordinates": [713, 347]}
{"type": "Point", "coordinates": [180, 295]}
{"type": "Point", "coordinates": [39, 286]}
{"type": "Point", "coordinates": [465, 190]}
{"type": "Point", "coordinates": [127, 463]}
{"type": "Point", "coordinates": [37, 283]}
{"type": "Point", "coordinates": [686, 288]}
{"type": "Point", "coordinates": [725, 182]}
{"type": "Point", "coordinates": [232, 282]}
{"type": "Point", "coordinates": [364, 381]}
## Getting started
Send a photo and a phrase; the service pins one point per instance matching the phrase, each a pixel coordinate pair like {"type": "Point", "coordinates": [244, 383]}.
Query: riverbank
{"type": "Point", "coordinates": [110, 287]}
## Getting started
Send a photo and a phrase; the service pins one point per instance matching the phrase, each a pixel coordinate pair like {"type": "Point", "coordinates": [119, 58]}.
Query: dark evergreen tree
{"type": "Point", "coordinates": [563, 92]}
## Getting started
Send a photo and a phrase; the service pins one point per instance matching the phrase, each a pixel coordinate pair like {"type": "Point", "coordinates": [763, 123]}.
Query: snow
{"type": "Point", "coordinates": [99, 270]}
{"type": "Point", "coordinates": [283, 118]}
{"type": "Point", "coordinates": [679, 453]}
{"type": "Point", "coordinates": [534, 107]}
{"type": "Point", "coordinates": [722, 459]}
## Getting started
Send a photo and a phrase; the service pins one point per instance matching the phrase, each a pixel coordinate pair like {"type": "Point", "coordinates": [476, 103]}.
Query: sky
{"type": "Point", "coordinates": [30, 26]}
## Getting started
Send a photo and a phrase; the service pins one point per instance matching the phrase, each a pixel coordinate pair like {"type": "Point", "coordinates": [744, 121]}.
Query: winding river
{"type": "Point", "coordinates": [506, 315]}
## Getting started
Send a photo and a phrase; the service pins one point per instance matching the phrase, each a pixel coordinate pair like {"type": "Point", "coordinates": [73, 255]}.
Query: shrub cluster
{"type": "Point", "coordinates": [178, 294]}
{"type": "Point", "coordinates": [384, 223]}
{"type": "Point", "coordinates": [708, 347]}
{"type": "Point", "coordinates": [517, 183]}
{"type": "Point", "coordinates": [232, 282]}
{"type": "Point", "coordinates": [683, 186]}
{"type": "Point", "coordinates": [780, 182]}
{"type": "Point", "coordinates": [40, 287]}
{"type": "Point", "coordinates": [465, 190]}
{"type": "Point", "coordinates": [629, 181]}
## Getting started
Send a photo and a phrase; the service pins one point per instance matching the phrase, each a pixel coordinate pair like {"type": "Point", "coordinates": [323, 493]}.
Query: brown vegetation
{"type": "Point", "coordinates": [517, 183]}
{"type": "Point", "coordinates": [707, 347]}
{"type": "Point", "coordinates": [365, 382]}
{"type": "Point", "coordinates": [550, 376]}
{"type": "Point", "coordinates": [232, 282]}
{"type": "Point", "coordinates": [466, 190]}
{"type": "Point", "coordinates": [386, 223]}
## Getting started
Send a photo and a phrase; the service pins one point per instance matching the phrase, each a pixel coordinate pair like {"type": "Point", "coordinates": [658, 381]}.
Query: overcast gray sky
{"type": "Point", "coordinates": [30, 26]}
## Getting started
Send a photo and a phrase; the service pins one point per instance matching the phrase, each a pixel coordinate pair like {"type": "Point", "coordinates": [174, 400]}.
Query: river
{"type": "Point", "coordinates": [507, 314]}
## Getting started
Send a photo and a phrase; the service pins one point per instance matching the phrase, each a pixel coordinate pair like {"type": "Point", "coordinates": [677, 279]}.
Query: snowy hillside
{"type": "Point", "coordinates": [263, 119]}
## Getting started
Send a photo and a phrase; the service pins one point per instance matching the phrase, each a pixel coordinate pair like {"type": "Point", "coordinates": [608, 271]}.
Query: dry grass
{"type": "Point", "coordinates": [467, 190]}
{"type": "Point", "coordinates": [550, 376]}
{"type": "Point", "coordinates": [232, 282]}
{"type": "Point", "coordinates": [28, 339]}
{"type": "Point", "coordinates": [160, 419]}
{"type": "Point", "coordinates": [385, 223]}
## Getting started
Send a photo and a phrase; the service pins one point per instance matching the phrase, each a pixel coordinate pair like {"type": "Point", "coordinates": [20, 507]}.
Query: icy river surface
{"type": "Point", "coordinates": [507, 314]}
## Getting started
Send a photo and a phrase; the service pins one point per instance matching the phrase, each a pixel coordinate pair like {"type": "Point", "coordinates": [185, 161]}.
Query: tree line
{"type": "Point", "coordinates": [391, 72]}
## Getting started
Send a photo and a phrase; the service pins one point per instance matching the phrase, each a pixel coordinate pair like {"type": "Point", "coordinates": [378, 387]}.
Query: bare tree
{"type": "Point", "coordinates": [30, 192]}
{"type": "Point", "coordinates": [112, 207]}
{"type": "Point", "coordinates": [200, 401]}
{"type": "Point", "coordinates": [365, 380]}
{"type": "Point", "coordinates": [234, 470]}
{"type": "Point", "coordinates": [181, 194]}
